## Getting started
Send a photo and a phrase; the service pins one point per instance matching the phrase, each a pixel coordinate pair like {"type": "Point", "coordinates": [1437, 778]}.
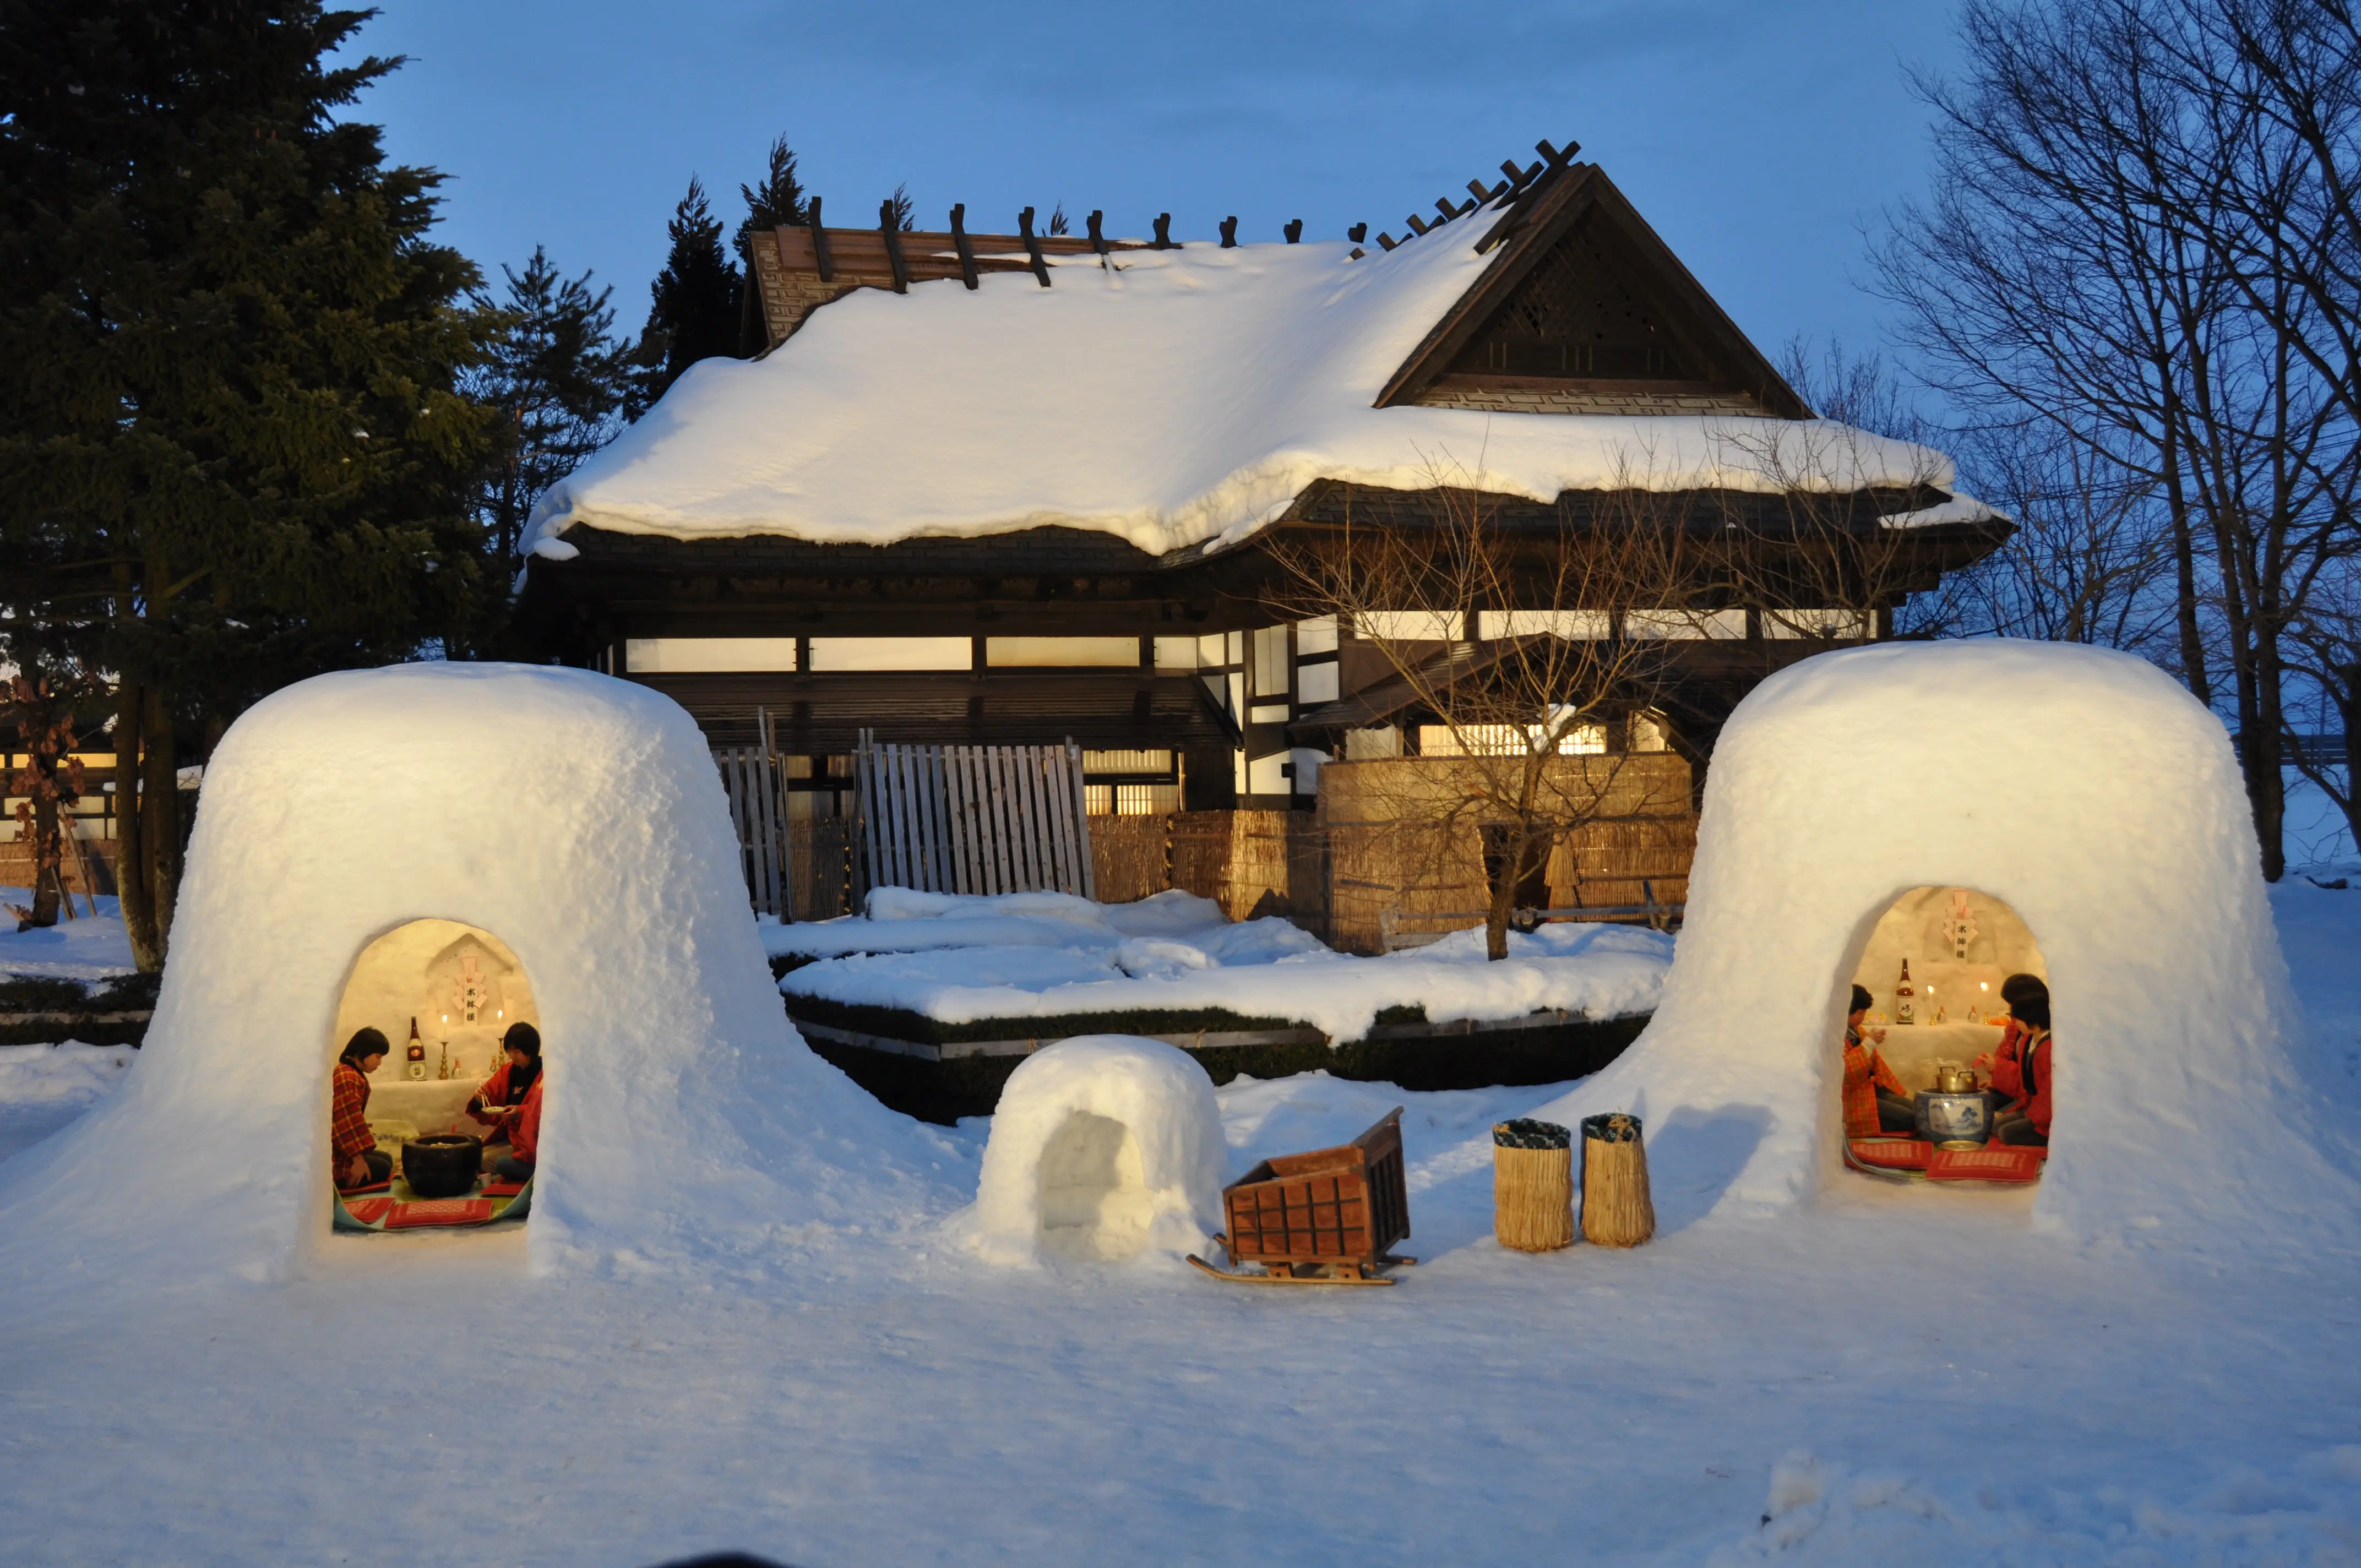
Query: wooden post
{"type": "Point", "coordinates": [892, 232]}
{"type": "Point", "coordinates": [1163, 240]}
{"type": "Point", "coordinates": [959, 243]}
{"type": "Point", "coordinates": [1230, 232]}
{"type": "Point", "coordinates": [1294, 231]}
{"type": "Point", "coordinates": [1033, 245]}
{"type": "Point", "coordinates": [1358, 233]}
{"type": "Point", "coordinates": [820, 244]}
{"type": "Point", "coordinates": [1098, 238]}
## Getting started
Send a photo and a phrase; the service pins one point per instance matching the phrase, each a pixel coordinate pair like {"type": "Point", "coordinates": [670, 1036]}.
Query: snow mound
{"type": "Point", "coordinates": [959, 958]}
{"type": "Point", "coordinates": [1182, 397]}
{"type": "Point", "coordinates": [580, 820]}
{"type": "Point", "coordinates": [2103, 806]}
{"type": "Point", "coordinates": [1103, 1147]}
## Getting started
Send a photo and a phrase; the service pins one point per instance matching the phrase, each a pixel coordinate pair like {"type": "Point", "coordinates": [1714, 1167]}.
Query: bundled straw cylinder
{"type": "Point", "coordinates": [1616, 1210]}
{"type": "Point", "coordinates": [1533, 1185]}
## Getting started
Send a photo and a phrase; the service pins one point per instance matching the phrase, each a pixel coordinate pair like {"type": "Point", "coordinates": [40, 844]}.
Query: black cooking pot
{"type": "Point", "coordinates": [444, 1165]}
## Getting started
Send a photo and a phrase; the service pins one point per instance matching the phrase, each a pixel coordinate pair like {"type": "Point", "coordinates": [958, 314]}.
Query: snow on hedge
{"type": "Point", "coordinates": [1182, 396]}
{"type": "Point", "coordinates": [958, 959]}
{"type": "Point", "coordinates": [580, 820]}
{"type": "Point", "coordinates": [2090, 793]}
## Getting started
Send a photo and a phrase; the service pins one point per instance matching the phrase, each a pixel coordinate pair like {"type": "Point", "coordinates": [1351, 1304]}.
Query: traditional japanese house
{"type": "Point", "coordinates": [1022, 489]}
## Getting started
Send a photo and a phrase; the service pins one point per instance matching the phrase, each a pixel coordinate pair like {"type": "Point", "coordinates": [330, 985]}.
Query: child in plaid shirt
{"type": "Point", "coordinates": [352, 1154]}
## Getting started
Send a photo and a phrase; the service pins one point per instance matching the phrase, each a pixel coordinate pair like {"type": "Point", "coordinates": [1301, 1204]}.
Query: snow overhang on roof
{"type": "Point", "coordinates": [1172, 397]}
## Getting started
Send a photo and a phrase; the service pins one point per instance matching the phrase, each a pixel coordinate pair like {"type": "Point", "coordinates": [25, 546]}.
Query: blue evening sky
{"type": "Point", "coordinates": [1758, 138]}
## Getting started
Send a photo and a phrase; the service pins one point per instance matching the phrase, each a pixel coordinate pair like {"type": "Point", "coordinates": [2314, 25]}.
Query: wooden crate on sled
{"type": "Point", "coordinates": [1335, 1210]}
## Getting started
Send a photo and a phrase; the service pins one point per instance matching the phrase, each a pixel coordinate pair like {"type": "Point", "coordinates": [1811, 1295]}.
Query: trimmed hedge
{"type": "Point", "coordinates": [970, 1086]}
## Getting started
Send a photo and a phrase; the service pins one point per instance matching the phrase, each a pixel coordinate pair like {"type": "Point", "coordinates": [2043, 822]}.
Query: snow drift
{"type": "Point", "coordinates": [2099, 801]}
{"type": "Point", "coordinates": [1102, 1146]}
{"type": "Point", "coordinates": [580, 820]}
{"type": "Point", "coordinates": [1183, 397]}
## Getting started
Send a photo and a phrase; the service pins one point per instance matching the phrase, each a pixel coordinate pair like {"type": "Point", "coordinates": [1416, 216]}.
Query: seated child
{"type": "Point", "coordinates": [1875, 1099]}
{"type": "Point", "coordinates": [2019, 1065]}
{"type": "Point", "coordinates": [353, 1156]}
{"type": "Point", "coordinates": [510, 1102]}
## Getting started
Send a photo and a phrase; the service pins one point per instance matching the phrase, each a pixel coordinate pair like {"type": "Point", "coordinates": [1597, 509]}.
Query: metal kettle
{"type": "Point", "coordinates": [1951, 1078]}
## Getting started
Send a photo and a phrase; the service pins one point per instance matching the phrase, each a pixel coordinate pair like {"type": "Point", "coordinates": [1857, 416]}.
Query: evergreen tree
{"type": "Point", "coordinates": [695, 299]}
{"type": "Point", "coordinates": [556, 378]}
{"type": "Point", "coordinates": [905, 216]}
{"type": "Point", "coordinates": [779, 199]}
{"type": "Point", "coordinates": [233, 451]}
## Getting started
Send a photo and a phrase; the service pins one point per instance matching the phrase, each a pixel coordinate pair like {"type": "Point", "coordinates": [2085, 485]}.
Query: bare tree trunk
{"type": "Point", "coordinates": [159, 805]}
{"type": "Point", "coordinates": [131, 882]}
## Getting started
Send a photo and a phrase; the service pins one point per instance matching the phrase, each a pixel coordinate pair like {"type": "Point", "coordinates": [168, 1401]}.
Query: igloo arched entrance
{"type": "Point", "coordinates": [444, 995]}
{"type": "Point", "coordinates": [1933, 979]}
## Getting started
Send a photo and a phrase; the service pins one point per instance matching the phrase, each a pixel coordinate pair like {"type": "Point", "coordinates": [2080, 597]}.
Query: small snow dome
{"type": "Point", "coordinates": [2076, 795]}
{"type": "Point", "coordinates": [1103, 1146]}
{"type": "Point", "coordinates": [535, 838]}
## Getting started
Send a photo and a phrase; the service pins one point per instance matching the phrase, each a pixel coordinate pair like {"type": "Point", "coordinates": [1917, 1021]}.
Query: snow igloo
{"type": "Point", "coordinates": [1103, 1147]}
{"type": "Point", "coordinates": [366, 844]}
{"type": "Point", "coordinates": [2090, 798]}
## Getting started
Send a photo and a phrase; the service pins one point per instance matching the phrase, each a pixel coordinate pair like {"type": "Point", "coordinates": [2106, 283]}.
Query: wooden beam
{"type": "Point", "coordinates": [1098, 237]}
{"type": "Point", "coordinates": [1294, 231]}
{"type": "Point", "coordinates": [1033, 245]}
{"type": "Point", "coordinates": [892, 231]}
{"type": "Point", "coordinates": [820, 245]}
{"type": "Point", "coordinates": [1415, 226]}
{"type": "Point", "coordinates": [1163, 240]}
{"type": "Point", "coordinates": [1230, 232]}
{"type": "Point", "coordinates": [1358, 233]}
{"type": "Point", "coordinates": [959, 240]}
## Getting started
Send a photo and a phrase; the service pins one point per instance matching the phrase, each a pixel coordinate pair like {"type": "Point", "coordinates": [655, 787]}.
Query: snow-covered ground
{"type": "Point", "coordinates": [87, 949]}
{"type": "Point", "coordinates": [1042, 955]}
{"type": "Point", "coordinates": [1895, 1375]}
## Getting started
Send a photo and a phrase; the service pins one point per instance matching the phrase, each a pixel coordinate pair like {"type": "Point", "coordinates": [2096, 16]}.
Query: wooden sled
{"type": "Point", "coordinates": [1354, 1273]}
{"type": "Point", "coordinates": [1329, 1217]}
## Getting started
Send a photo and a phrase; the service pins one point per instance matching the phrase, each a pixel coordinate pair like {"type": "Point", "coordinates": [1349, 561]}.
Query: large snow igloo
{"type": "Point", "coordinates": [2094, 797]}
{"type": "Point", "coordinates": [1102, 1146]}
{"type": "Point", "coordinates": [574, 823]}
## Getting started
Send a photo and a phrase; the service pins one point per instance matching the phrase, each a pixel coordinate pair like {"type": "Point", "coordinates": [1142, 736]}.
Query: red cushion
{"type": "Point", "coordinates": [1893, 1154]}
{"type": "Point", "coordinates": [369, 1210]}
{"type": "Point", "coordinates": [439, 1211]}
{"type": "Point", "coordinates": [1997, 1162]}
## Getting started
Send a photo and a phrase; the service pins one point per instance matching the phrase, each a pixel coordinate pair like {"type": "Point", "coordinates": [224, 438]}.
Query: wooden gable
{"type": "Point", "coordinates": [1586, 311]}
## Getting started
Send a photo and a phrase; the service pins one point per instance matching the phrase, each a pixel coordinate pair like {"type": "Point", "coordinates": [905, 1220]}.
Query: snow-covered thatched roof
{"type": "Point", "coordinates": [1172, 397]}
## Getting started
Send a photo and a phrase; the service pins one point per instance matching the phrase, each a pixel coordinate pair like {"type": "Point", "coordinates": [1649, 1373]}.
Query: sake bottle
{"type": "Point", "coordinates": [417, 1045]}
{"type": "Point", "coordinates": [1905, 1004]}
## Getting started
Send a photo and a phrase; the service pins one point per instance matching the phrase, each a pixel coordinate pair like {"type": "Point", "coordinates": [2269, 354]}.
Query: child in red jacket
{"type": "Point", "coordinates": [510, 1103]}
{"type": "Point", "coordinates": [1875, 1099]}
{"type": "Point", "coordinates": [2019, 1065]}
{"type": "Point", "coordinates": [353, 1154]}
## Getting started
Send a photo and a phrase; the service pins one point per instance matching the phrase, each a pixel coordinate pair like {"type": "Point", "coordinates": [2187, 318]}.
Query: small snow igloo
{"type": "Point", "coordinates": [547, 842]}
{"type": "Point", "coordinates": [1103, 1147]}
{"type": "Point", "coordinates": [2088, 795]}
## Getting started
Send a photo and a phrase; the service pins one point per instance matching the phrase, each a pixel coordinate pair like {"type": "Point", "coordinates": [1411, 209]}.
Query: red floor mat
{"type": "Point", "coordinates": [1893, 1154]}
{"type": "Point", "coordinates": [1998, 1162]}
{"type": "Point", "coordinates": [502, 1188]}
{"type": "Point", "coordinates": [367, 1210]}
{"type": "Point", "coordinates": [437, 1211]}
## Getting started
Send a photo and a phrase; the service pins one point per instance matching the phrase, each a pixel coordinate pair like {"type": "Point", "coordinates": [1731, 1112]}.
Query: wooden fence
{"type": "Point", "coordinates": [974, 819]}
{"type": "Point", "coordinates": [754, 779]}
